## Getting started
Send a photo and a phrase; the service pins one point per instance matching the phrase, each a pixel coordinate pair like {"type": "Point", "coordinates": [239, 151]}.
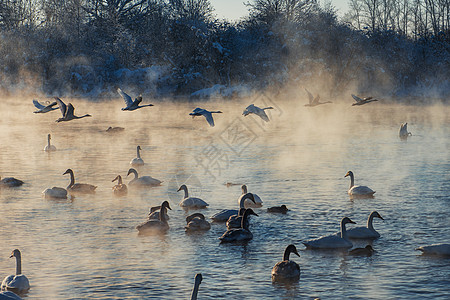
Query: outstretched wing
{"type": "Point", "coordinates": [126, 98]}
{"type": "Point", "coordinates": [209, 118]}
{"type": "Point", "coordinates": [62, 106]}
{"type": "Point", "coordinates": [357, 98]}
{"type": "Point", "coordinates": [70, 110]}
{"type": "Point", "coordinates": [310, 96]}
{"type": "Point", "coordinates": [37, 104]}
{"type": "Point", "coordinates": [316, 100]}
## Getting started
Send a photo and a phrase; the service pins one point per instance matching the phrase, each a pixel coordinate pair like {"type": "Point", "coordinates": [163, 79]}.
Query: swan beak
{"type": "Point", "coordinates": [380, 217]}
{"type": "Point", "coordinates": [253, 213]}
{"type": "Point", "coordinates": [179, 189]}
{"type": "Point", "coordinates": [296, 253]}
{"type": "Point", "coordinates": [346, 175]}
{"type": "Point", "coordinates": [66, 172]}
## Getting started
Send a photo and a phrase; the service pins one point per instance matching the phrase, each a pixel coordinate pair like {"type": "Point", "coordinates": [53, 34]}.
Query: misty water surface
{"type": "Point", "coordinates": [87, 246]}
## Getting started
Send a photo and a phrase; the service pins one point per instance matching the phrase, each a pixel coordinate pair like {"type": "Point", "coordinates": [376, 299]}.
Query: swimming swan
{"type": "Point", "coordinates": [365, 232]}
{"type": "Point", "coordinates": [83, 188]}
{"type": "Point", "coordinates": [366, 251]}
{"type": "Point", "coordinates": [287, 270]}
{"type": "Point", "coordinates": [435, 249]}
{"type": "Point", "coordinates": [252, 109]}
{"type": "Point", "coordinates": [257, 203]}
{"type": "Point", "coordinates": [235, 221]}
{"type": "Point", "coordinates": [207, 114]}
{"type": "Point", "coordinates": [120, 188]}
{"type": "Point", "coordinates": [155, 225]}
{"type": "Point", "coordinates": [278, 209]}
{"type": "Point", "coordinates": [44, 108]}
{"type": "Point", "coordinates": [314, 101]}
{"type": "Point", "coordinates": [360, 191]}
{"type": "Point", "coordinates": [198, 279]}
{"type": "Point", "coordinates": [403, 133]}
{"type": "Point", "coordinates": [55, 193]}
{"type": "Point", "coordinates": [239, 234]}
{"type": "Point", "coordinates": [191, 202]}
{"type": "Point", "coordinates": [49, 147]}
{"type": "Point", "coordinates": [332, 241]}
{"type": "Point", "coordinates": [225, 214]}
{"type": "Point", "coordinates": [10, 182]}
{"type": "Point", "coordinates": [197, 222]}
{"type": "Point", "coordinates": [130, 104]}
{"type": "Point", "coordinates": [137, 161]}
{"type": "Point", "coordinates": [144, 181]}
{"type": "Point", "coordinates": [360, 101]}
{"type": "Point", "coordinates": [67, 111]}
{"type": "Point", "coordinates": [17, 283]}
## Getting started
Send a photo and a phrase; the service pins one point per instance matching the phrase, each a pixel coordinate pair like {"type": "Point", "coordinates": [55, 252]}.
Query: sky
{"type": "Point", "coordinates": [235, 9]}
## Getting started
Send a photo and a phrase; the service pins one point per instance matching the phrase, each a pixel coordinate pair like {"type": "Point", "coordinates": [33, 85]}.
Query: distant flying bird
{"type": "Point", "coordinates": [314, 101]}
{"type": "Point", "coordinates": [252, 109]}
{"type": "Point", "coordinates": [130, 104]}
{"type": "Point", "coordinates": [360, 101]}
{"type": "Point", "coordinates": [44, 108]}
{"type": "Point", "coordinates": [67, 111]}
{"type": "Point", "coordinates": [207, 114]}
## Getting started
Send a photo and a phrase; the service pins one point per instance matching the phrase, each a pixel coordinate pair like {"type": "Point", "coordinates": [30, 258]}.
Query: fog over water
{"type": "Point", "coordinates": [87, 246]}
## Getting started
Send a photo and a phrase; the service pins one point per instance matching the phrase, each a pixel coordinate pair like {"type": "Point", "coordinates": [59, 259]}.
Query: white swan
{"type": "Point", "coordinates": [44, 108]}
{"type": "Point", "coordinates": [403, 133]}
{"type": "Point", "coordinates": [191, 202]}
{"type": "Point", "coordinates": [225, 214]}
{"type": "Point", "coordinates": [206, 113]}
{"type": "Point", "coordinates": [358, 191]}
{"type": "Point", "coordinates": [252, 109]}
{"type": "Point", "coordinates": [239, 234]}
{"type": "Point", "coordinates": [130, 104]}
{"type": "Point", "coordinates": [17, 283]}
{"type": "Point", "coordinates": [314, 101]}
{"type": "Point", "coordinates": [196, 222]}
{"type": "Point", "coordinates": [120, 189]}
{"type": "Point", "coordinates": [198, 279]}
{"type": "Point", "coordinates": [248, 203]}
{"type": "Point", "coordinates": [49, 147]}
{"type": "Point", "coordinates": [144, 181]}
{"type": "Point", "coordinates": [67, 111]}
{"type": "Point", "coordinates": [435, 249]}
{"type": "Point", "coordinates": [137, 161]}
{"type": "Point", "coordinates": [366, 251]}
{"type": "Point", "coordinates": [55, 193]}
{"type": "Point", "coordinates": [332, 241]}
{"type": "Point", "coordinates": [82, 188]}
{"type": "Point", "coordinates": [287, 270]}
{"type": "Point", "coordinates": [10, 182]}
{"type": "Point", "coordinates": [153, 225]}
{"type": "Point", "coordinates": [360, 101]}
{"type": "Point", "coordinates": [365, 232]}
{"type": "Point", "coordinates": [9, 296]}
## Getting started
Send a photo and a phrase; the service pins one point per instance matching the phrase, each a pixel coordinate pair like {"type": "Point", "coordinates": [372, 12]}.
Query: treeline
{"type": "Point", "coordinates": [175, 47]}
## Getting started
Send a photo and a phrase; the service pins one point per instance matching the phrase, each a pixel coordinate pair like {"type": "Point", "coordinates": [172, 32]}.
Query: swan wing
{"type": "Point", "coordinates": [361, 190]}
{"type": "Point", "coordinates": [19, 282]}
{"type": "Point", "coordinates": [436, 249]}
{"type": "Point", "coordinates": [328, 242]}
{"type": "Point", "coordinates": [286, 270]}
{"type": "Point", "coordinates": [310, 97]}
{"type": "Point", "coordinates": [224, 215]}
{"type": "Point", "coordinates": [193, 202]}
{"type": "Point", "coordinates": [209, 118]}
{"type": "Point", "coordinates": [126, 98]}
{"type": "Point", "coordinates": [9, 296]}
{"type": "Point", "coordinates": [38, 105]}
{"type": "Point", "coordinates": [357, 99]}
{"type": "Point", "coordinates": [362, 233]}
{"type": "Point", "coordinates": [62, 106]}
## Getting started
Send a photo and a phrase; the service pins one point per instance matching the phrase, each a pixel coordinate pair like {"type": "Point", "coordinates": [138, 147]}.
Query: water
{"type": "Point", "coordinates": [87, 246]}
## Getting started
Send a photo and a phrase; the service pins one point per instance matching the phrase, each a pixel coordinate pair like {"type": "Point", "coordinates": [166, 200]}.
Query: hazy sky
{"type": "Point", "coordinates": [234, 9]}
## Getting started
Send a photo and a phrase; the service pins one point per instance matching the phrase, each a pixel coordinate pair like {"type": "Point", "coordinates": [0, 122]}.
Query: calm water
{"type": "Point", "coordinates": [87, 246]}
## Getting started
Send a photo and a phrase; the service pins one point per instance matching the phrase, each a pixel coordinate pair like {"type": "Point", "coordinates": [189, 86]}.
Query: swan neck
{"type": "Point", "coordinates": [186, 193]}
{"type": "Point", "coordinates": [162, 213]}
{"type": "Point", "coordinates": [244, 223]}
{"type": "Point", "coordinates": [287, 252]}
{"type": "Point", "coordinates": [72, 179]}
{"type": "Point", "coordinates": [18, 264]}
{"type": "Point", "coordinates": [370, 222]}
{"type": "Point", "coordinates": [195, 291]}
{"type": "Point", "coordinates": [352, 180]}
{"type": "Point", "coordinates": [48, 141]}
{"type": "Point", "coordinates": [242, 201]}
{"type": "Point", "coordinates": [138, 153]}
{"type": "Point", "coordinates": [343, 231]}
{"type": "Point", "coordinates": [119, 181]}
{"type": "Point", "coordinates": [244, 189]}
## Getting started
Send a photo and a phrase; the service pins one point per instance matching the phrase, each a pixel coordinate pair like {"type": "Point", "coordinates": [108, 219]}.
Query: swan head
{"type": "Point", "coordinates": [182, 187]}
{"type": "Point", "coordinates": [291, 249]}
{"type": "Point", "coordinates": [198, 278]}
{"type": "Point", "coordinates": [376, 214]}
{"type": "Point", "coordinates": [347, 220]}
{"type": "Point", "coordinates": [15, 253]}
{"type": "Point", "coordinates": [118, 177]}
{"type": "Point", "coordinates": [369, 248]}
{"type": "Point", "coordinates": [49, 136]}
{"type": "Point", "coordinates": [249, 212]}
{"type": "Point", "coordinates": [349, 173]}
{"type": "Point", "coordinates": [68, 171]}
{"type": "Point", "coordinates": [244, 189]}
{"type": "Point", "coordinates": [139, 147]}
{"type": "Point", "coordinates": [165, 204]}
{"type": "Point", "coordinates": [131, 170]}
